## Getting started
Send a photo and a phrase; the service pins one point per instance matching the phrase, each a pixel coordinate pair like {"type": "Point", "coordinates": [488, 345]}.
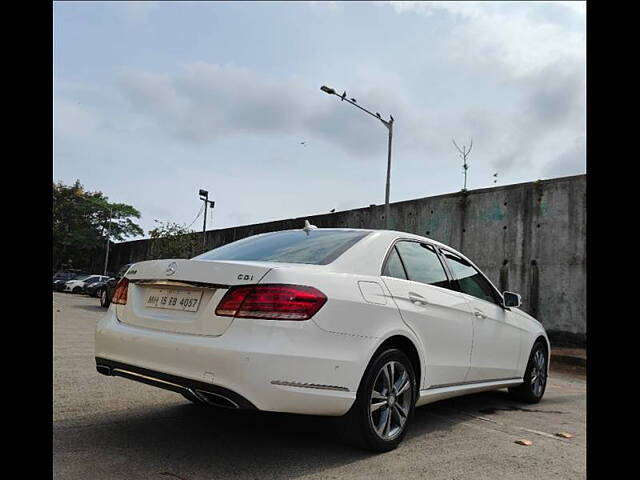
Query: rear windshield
{"type": "Point", "coordinates": [317, 247]}
{"type": "Point", "coordinates": [123, 269]}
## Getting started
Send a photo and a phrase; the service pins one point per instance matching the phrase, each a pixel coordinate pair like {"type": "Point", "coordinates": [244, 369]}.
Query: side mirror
{"type": "Point", "coordinates": [511, 299]}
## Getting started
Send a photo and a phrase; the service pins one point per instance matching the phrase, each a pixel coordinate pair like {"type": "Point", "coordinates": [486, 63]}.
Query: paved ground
{"type": "Point", "coordinates": [112, 428]}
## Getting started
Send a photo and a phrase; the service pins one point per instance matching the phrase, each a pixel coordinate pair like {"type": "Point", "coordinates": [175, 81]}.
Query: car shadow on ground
{"type": "Point", "coordinates": [187, 440]}
{"type": "Point", "coordinates": [91, 308]}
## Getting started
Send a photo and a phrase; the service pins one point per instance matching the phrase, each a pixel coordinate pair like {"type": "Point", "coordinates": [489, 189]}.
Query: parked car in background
{"type": "Point", "coordinates": [62, 277]}
{"type": "Point", "coordinates": [364, 324]}
{"type": "Point", "coordinates": [78, 285]}
{"type": "Point", "coordinates": [107, 293]}
{"type": "Point", "coordinates": [95, 289]}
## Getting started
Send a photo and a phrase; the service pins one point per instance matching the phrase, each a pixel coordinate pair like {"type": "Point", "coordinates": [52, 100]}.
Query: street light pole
{"type": "Point", "coordinates": [386, 123]}
{"type": "Point", "coordinates": [387, 209]}
{"type": "Point", "coordinates": [106, 257]}
{"type": "Point", "coordinates": [205, 194]}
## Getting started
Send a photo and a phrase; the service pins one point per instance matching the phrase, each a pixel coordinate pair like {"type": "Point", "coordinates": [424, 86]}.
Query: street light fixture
{"type": "Point", "coordinates": [204, 196]}
{"type": "Point", "coordinates": [386, 123]}
{"type": "Point", "coordinates": [328, 90]}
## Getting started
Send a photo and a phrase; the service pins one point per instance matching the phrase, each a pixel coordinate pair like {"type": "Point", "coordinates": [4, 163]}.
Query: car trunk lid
{"type": "Point", "coordinates": [180, 296]}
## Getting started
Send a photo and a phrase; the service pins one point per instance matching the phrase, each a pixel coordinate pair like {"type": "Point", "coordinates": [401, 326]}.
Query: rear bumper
{"type": "Point", "coordinates": [293, 367]}
{"type": "Point", "coordinates": [209, 393]}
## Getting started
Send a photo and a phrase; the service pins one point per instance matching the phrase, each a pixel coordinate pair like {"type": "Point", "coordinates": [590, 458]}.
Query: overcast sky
{"type": "Point", "coordinates": [155, 100]}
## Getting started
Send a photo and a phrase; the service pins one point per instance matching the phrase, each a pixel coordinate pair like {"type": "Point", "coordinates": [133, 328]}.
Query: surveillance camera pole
{"type": "Point", "coordinates": [389, 125]}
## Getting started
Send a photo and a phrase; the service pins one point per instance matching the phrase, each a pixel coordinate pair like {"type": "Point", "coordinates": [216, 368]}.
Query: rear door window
{"type": "Point", "coordinates": [422, 263]}
{"type": "Point", "coordinates": [393, 267]}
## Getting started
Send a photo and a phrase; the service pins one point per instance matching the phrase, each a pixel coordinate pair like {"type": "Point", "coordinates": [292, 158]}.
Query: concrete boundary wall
{"type": "Point", "coordinates": [529, 238]}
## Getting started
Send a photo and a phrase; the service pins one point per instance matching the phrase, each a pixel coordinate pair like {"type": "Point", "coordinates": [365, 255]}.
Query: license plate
{"type": "Point", "coordinates": [185, 300]}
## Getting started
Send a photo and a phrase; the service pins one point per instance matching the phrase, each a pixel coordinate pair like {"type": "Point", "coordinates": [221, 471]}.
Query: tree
{"type": "Point", "coordinates": [82, 221]}
{"type": "Point", "coordinates": [172, 240]}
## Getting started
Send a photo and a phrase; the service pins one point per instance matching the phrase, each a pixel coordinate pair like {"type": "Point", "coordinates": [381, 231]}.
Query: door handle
{"type": "Point", "coordinates": [479, 314]}
{"type": "Point", "coordinates": [417, 299]}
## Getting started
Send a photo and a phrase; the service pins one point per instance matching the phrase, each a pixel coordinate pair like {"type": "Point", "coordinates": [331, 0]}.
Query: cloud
{"type": "Point", "coordinates": [523, 49]}
{"type": "Point", "coordinates": [74, 121]}
{"type": "Point", "coordinates": [509, 48]}
{"type": "Point", "coordinates": [579, 8]}
{"type": "Point", "coordinates": [466, 9]}
{"type": "Point", "coordinates": [206, 102]}
{"type": "Point", "coordinates": [136, 12]}
{"type": "Point", "coordinates": [553, 110]}
{"type": "Point", "coordinates": [493, 35]}
{"type": "Point", "coordinates": [569, 162]}
{"type": "Point", "coordinates": [331, 5]}
{"type": "Point", "coordinates": [511, 75]}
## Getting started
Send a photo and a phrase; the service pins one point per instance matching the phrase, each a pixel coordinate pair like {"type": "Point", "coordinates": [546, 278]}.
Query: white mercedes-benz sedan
{"type": "Point", "coordinates": [364, 324]}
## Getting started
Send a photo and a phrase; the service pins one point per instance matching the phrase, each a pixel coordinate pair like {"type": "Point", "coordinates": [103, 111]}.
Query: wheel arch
{"type": "Point", "coordinates": [544, 340]}
{"type": "Point", "coordinates": [408, 346]}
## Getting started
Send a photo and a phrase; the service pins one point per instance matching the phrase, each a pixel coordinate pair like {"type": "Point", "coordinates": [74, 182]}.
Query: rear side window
{"type": "Point", "coordinates": [470, 280]}
{"type": "Point", "coordinates": [317, 247]}
{"type": "Point", "coordinates": [422, 264]}
{"type": "Point", "coordinates": [393, 267]}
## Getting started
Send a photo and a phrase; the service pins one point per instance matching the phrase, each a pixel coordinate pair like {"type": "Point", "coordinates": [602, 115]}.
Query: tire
{"type": "Point", "coordinates": [104, 298]}
{"type": "Point", "coordinates": [535, 376]}
{"type": "Point", "coordinates": [367, 428]}
{"type": "Point", "coordinates": [76, 290]}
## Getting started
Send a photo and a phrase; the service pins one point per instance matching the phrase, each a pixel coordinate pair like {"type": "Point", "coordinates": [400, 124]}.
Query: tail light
{"type": "Point", "coordinates": [272, 302]}
{"type": "Point", "coordinates": [120, 293]}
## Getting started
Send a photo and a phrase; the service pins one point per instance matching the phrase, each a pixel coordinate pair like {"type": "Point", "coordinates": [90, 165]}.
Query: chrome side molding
{"type": "Point", "coordinates": [460, 384]}
{"type": "Point", "coordinates": [309, 385]}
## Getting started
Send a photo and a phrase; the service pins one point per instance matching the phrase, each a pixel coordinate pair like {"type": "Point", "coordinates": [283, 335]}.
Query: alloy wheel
{"type": "Point", "coordinates": [538, 373]}
{"type": "Point", "coordinates": [390, 400]}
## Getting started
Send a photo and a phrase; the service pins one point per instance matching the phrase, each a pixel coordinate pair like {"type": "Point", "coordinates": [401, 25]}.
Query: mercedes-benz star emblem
{"type": "Point", "coordinates": [171, 269]}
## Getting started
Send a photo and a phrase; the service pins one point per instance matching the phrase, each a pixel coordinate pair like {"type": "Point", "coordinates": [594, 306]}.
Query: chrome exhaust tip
{"type": "Point", "coordinates": [214, 399]}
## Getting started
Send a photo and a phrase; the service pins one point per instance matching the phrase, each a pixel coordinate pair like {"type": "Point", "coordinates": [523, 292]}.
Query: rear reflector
{"type": "Point", "coordinates": [120, 293]}
{"type": "Point", "coordinates": [271, 302]}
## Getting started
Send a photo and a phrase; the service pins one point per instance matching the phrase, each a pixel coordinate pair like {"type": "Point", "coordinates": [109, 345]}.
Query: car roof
{"type": "Point", "coordinates": [357, 259]}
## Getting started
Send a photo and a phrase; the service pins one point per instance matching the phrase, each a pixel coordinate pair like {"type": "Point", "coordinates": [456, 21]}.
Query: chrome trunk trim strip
{"type": "Point", "coordinates": [177, 283]}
